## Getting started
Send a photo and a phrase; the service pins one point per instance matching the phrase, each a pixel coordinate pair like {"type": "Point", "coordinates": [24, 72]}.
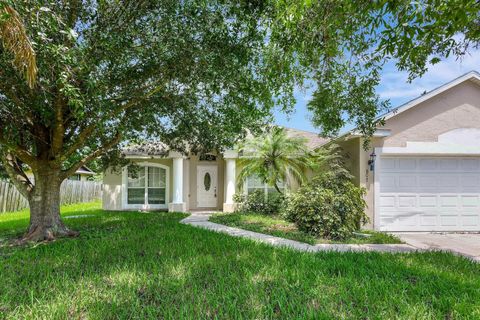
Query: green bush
{"type": "Point", "coordinates": [329, 206]}
{"type": "Point", "coordinates": [256, 202]}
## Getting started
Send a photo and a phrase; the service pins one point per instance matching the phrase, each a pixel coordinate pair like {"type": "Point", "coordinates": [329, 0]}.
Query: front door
{"type": "Point", "coordinates": [207, 186]}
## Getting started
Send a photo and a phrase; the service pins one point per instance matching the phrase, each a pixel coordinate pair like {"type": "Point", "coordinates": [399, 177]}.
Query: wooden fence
{"type": "Point", "coordinates": [70, 192]}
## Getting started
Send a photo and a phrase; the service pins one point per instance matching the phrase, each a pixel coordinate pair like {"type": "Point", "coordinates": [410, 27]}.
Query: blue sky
{"type": "Point", "coordinates": [394, 86]}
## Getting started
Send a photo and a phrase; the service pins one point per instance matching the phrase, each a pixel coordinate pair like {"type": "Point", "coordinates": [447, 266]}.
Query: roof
{"type": "Point", "coordinates": [85, 170]}
{"type": "Point", "coordinates": [147, 148]}
{"type": "Point", "coordinates": [314, 140]}
{"type": "Point", "coordinates": [470, 76]}
{"type": "Point", "coordinates": [473, 76]}
{"type": "Point", "coordinates": [158, 148]}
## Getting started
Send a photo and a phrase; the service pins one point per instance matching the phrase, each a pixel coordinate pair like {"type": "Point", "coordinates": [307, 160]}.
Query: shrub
{"type": "Point", "coordinates": [329, 206]}
{"type": "Point", "coordinates": [256, 202]}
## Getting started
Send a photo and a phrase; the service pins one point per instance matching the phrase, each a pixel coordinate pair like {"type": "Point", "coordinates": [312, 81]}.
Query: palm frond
{"type": "Point", "coordinates": [13, 36]}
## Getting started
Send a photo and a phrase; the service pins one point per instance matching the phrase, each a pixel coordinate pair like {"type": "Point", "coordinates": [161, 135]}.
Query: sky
{"type": "Point", "coordinates": [393, 86]}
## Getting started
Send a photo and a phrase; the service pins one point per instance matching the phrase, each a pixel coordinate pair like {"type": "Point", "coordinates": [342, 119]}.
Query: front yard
{"type": "Point", "coordinates": [277, 226]}
{"type": "Point", "coordinates": [148, 265]}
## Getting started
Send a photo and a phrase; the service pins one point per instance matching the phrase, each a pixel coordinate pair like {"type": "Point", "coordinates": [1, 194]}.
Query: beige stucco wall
{"type": "Point", "coordinates": [112, 182]}
{"type": "Point", "coordinates": [112, 190]}
{"type": "Point", "coordinates": [112, 185]}
{"type": "Point", "coordinates": [458, 107]}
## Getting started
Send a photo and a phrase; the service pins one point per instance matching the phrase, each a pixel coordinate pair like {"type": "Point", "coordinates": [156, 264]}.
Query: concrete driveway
{"type": "Point", "coordinates": [466, 244]}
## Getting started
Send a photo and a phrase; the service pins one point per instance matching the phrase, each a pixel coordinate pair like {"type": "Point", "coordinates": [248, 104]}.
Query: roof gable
{"type": "Point", "coordinates": [470, 76]}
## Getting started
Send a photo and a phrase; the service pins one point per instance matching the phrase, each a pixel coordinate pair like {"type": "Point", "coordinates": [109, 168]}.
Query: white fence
{"type": "Point", "coordinates": [70, 192]}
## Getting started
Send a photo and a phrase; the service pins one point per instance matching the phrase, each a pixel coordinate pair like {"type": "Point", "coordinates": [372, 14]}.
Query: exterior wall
{"type": "Point", "coordinates": [351, 152]}
{"type": "Point", "coordinates": [112, 185]}
{"type": "Point", "coordinates": [84, 177]}
{"type": "Point", "coordinates": [458, 107]}
{"type": "Point", "coordinates": [112, 190]}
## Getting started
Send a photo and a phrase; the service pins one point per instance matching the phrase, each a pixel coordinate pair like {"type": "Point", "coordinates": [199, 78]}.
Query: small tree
{"type": "Point", "coordinates": [274, 157]}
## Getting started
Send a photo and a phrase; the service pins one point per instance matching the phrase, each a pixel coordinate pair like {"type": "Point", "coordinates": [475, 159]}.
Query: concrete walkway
{"type": "Point", "coordinates": [200, 219]}
{"type": "Point", "coordinates": [465, 244]}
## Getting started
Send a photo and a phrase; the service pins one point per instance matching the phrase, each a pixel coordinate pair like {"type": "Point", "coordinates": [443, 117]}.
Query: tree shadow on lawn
{"type": "Point", "coordinates": [131, 265]}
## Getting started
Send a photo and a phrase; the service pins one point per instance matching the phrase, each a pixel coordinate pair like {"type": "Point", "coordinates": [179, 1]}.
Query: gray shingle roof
{"type": "Point", "coordinates": [158, 148]}
{"type": "Point", "coordinates": [313, 139]}
{"type": "Point", "coordinates": [148, 148]}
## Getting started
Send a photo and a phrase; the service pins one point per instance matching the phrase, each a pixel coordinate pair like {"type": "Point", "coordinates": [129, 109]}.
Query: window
{"type": "Point", "coordinates": [75, 177]}
{"type": "Point", "coordinates": [147, 186]}
{"type": "Point", "coordinates": [254, 183]}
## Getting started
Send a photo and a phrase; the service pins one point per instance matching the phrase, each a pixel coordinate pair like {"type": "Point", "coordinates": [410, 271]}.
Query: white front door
{"type": "Point", "coordinates": [207, 186]}
{"type": "Point", "coordinates": [428, 194]}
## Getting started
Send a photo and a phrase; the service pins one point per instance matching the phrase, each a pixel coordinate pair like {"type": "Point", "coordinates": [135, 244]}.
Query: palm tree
{"type": "Point", "coordinates": [13, 37]}
{"type": "Point", "coordinates": [274, 157]}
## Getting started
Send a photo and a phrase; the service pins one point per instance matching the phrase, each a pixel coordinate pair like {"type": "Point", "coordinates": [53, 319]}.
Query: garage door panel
{"type": "Point", "coordinates": [407, 164]}
{"type": "Point", "coordinates": [427, 220]}
{"type": "Point", "coordinates": [428, 194]}
{"type": "Point", "coordinates": [470, 164]}
{"type": "Point", "coordinates": [470, 220]}
{"type": "Point", "coordinates": [407, 201]}
{"type": "Point", "coordinates": [469, 201]}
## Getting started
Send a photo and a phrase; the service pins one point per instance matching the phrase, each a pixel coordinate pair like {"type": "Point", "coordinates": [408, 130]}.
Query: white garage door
{"type": "Point", "coordinates": [428, 194]}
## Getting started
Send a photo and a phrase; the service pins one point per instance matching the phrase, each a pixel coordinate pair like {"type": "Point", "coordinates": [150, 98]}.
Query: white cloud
{"type": "Point", "coordinates": [394, 84]}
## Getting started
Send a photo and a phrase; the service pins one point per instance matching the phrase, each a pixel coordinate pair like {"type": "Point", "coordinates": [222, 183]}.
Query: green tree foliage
{"type": "Point", "coordinates": [342, 47]}
{"type": "Point", "coordinates": [191, 73]}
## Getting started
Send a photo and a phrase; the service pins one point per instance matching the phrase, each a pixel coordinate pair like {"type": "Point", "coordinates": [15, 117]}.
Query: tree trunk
{"type": "Point", "coordinates": [44, 201]}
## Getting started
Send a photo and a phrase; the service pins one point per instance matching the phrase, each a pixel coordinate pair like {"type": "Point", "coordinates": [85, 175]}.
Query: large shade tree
{"type": "Point", "coordinates": [191, 73]}
{"type": "Point", "coordinates": [81, 77]}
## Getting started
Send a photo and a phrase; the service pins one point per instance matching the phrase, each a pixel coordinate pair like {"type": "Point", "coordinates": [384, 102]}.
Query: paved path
{"type": "Point", "coordinates": [200, 219]}
{"type": "Point", "coordinates": [466, 244]}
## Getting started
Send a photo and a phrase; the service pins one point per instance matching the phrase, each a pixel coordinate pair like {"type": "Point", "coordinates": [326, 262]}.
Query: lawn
{"type": "Point", "coordinates": [277, 226]}
{"type": "Point", "coordinates": [148, 266]}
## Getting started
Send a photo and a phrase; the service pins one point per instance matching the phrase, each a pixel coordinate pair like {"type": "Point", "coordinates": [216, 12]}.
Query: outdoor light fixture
{"type": "Point", "coordinates": [371, 162]}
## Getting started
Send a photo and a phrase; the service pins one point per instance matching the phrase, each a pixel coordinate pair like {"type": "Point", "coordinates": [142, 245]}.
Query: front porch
{"type": "Point", "coordinates": [174, 182]}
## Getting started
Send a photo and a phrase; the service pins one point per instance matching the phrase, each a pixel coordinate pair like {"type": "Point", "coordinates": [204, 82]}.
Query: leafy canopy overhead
{"type": "Point", "coordinates": [191, 73]}
{"type": "Point", "coordinates": [196, 73]}
{"type": "Point", "coordinates": [342, 46]}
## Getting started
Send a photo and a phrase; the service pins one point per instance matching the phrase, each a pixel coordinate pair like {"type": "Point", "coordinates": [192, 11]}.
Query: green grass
{"type": "Point", "coordinates": [277, 226]}
{"type": "Point", "coordinates": [149, 266]}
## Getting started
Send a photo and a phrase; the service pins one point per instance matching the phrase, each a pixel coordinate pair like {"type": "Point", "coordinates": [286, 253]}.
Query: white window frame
{"type": "Point", "coordinates": [126, 205]}
{"type": "Point", "coordinates": [265, 187]}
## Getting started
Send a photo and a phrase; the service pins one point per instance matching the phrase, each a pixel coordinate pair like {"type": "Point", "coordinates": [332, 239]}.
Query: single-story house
{"type": "Point", "coordinates": [421, 173]}
{"type": "Point", "coordinates": [173, 181]}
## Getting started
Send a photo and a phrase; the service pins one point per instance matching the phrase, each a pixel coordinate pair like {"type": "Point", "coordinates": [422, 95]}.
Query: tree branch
{"type": "Point", "coordinates": [16, 174]}
{"type": "Point", "coordinates": [68, 172]}
{"type": "Point", "coordinates": [20, 153]}
{"type": "Point", "coordinates": [91, 128]}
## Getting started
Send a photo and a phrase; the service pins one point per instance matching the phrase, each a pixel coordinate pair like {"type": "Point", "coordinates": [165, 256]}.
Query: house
{"type": "Point", "coordinates": [421, 173]}
{"type": "Point", "coordinates": [170, 180]}
{"type": "Point", "coordinates": [82, 174]}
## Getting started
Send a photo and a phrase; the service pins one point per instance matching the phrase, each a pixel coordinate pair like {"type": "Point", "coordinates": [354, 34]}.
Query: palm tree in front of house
{"type": "Point", "coordinates": [14, 39]}
{"type": "Point", "coordinates": [274, 157]}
